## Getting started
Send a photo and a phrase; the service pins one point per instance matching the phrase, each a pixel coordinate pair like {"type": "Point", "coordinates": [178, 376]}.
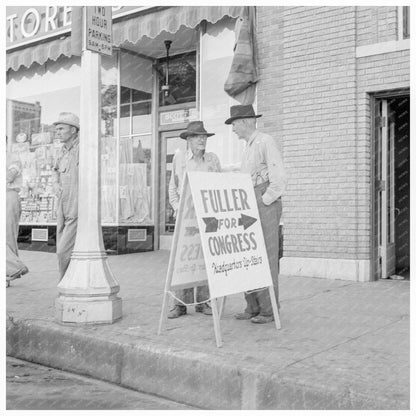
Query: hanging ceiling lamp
{"type": "Point", "coordinates": [165, 88]}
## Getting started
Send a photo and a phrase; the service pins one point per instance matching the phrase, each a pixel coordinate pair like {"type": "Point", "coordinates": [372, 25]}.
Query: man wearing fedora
{"type": "Point", "coordinates": [66, 188]}
{"type": "Point", "coordinates": [194, 159]}
{"type": "Point", "coordinates": [263, 161]}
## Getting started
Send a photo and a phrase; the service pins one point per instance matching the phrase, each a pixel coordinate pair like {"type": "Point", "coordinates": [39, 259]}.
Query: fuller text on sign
{"type": "Point", "coordinates": [230, 232]}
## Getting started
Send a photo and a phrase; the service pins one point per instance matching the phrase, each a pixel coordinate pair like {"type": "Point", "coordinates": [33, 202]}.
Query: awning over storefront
{"type": "Point", "coordinates": [39, 53]}
{"type": "Point", "coordinates": [170, 20]}
{"type": "Point", "coordinates": [132, 30]}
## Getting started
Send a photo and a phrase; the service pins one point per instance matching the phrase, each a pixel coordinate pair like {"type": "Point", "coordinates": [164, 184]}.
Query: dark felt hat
{"type": "Point", "coordinates": [194, 128]}
{"type": "Point", "coordinates": [241, 111]}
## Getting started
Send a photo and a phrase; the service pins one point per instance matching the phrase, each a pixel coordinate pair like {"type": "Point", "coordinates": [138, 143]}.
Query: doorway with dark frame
{"type": "Point", "coordinates": [391, 187]}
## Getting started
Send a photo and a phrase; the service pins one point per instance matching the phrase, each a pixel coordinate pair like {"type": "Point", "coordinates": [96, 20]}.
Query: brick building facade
{"type": "Point", "coordinates": [322, 72]}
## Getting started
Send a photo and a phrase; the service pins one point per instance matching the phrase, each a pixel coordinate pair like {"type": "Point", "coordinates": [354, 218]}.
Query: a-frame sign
{"type": "Point", "coordinates": [218, 240]}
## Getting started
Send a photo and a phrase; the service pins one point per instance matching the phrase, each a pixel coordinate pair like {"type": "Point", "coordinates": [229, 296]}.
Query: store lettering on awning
{"type": "Point", "coordinates": [25, 25]}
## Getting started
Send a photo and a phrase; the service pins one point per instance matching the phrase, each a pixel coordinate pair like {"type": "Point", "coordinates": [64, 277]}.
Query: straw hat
{"type": "Point", "coordinates": [68, 118]}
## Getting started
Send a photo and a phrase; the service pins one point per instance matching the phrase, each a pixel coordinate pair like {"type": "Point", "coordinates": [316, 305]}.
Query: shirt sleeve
{"type": "Point", "coordinates": [276, 170]}
{"type": "Point", "coordinates": [173, 186]}
{"type": "Point", "coordinates": [217, 163]}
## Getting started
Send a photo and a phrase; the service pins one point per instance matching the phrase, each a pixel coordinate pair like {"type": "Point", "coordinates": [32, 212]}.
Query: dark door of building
{"type": "Point", "coordinates": [170, 142]}
{"type": "Point", "coordinates": [391, 208]}
{"type": "Point", "coordinates": [401, 108]}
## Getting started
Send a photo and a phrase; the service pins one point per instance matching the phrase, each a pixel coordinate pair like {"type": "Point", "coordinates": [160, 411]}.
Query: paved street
{"type": "Point", "coordinates": [35, 387]}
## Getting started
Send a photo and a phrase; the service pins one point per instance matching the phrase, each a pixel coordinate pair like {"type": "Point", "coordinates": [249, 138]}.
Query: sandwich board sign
{"type": "Point", "coordinates": [218, 240]}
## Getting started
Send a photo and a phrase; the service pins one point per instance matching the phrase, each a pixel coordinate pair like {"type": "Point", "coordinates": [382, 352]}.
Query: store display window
{"type": "Point", "coordinates": [35, 97]}
{"type": "Point", "coordinates": [126, 141]}
{"type": "Point", "coordinates": [109, 163]}
{"type": "Point", "coordinates": [135, 147]}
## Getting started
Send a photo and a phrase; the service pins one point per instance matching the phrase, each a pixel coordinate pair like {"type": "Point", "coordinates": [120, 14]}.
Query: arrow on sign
{"type": "Point", "coordinates": [246, 221]}
{"type": "Point", "coordinates": [211, 224]}
{"type": "Point", "coordinates": [191, 231]}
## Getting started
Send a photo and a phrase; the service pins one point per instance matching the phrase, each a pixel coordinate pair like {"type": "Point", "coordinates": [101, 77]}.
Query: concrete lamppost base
{"type": "Point", "coordinates": [88, 291]}
{"type": "Point", "coordinates": [90, 311]}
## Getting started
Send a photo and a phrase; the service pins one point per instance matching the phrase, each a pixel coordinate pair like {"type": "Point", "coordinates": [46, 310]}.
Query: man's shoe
{"type": "Point", "coordinates": [244, 315]}
{"type": "Point", "coordinates": [260, 319]}
{"type": "Point", "coordinates": [204, 308]}
{"type": "Point", "coordinates": [13, 277]}
{"type": "Point", "coordinates": [177, 311]}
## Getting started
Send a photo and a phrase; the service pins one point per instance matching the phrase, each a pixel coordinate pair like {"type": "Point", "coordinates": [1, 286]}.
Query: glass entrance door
{"type": "Point", "coordinates": [170, 143]}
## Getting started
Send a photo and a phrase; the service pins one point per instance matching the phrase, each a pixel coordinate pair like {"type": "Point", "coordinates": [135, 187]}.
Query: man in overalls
{"type": "Point", "coordinates": [66, 188]}
{"type": "Point", "coordinates": [263, 161]}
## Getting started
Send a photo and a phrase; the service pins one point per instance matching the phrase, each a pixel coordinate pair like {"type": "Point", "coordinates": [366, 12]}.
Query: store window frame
{"type": "Point", "coordinates": [153, 141]}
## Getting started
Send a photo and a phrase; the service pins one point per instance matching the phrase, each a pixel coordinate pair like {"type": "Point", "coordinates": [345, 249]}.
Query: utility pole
{"type": "Point", "coordinates": [88, 290]}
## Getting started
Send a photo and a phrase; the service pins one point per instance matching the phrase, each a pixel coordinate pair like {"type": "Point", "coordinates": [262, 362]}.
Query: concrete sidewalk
{"type": "Point", "coordinates": [343, 345]}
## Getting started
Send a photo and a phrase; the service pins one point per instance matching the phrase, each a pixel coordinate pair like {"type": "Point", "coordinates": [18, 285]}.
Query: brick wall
{"type": "Point", "coordinates": [313, 94]}
{"type": "Point", "coordinates": [376, 24]}
{"type": "Point", "coordinates": [270, 55]}
{"type": "Point", "coordinates": [318, 130]}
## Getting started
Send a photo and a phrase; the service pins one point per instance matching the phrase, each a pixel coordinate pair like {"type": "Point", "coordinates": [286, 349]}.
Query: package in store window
{"type": "Point", "coordinates": [41, 138]}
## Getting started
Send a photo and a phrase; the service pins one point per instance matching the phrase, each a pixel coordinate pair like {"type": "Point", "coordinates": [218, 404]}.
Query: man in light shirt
{"type": "Point", "coordinates": [263, 161]}
{"type": "Point", "coordinates": [195, 158]}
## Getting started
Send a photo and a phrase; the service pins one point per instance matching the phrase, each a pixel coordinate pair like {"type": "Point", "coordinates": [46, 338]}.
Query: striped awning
{"type": "Point", "coordinates": [151, 24]}
{"type": "Point", "coordinates": [170, 20]}
{"type": "Point", "coordinates": [38, 53]}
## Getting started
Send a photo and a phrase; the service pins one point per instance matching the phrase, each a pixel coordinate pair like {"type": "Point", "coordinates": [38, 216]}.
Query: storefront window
{"type": "Point", "coordinates": [53, 88]}
{"type": "Point", "coordinates": [181, 80]}
{"type": "Point", "coordinates": [109, 132]}
{"type": "Point", "coordinates": [406, 22]}
{"type": "Point", "coordinates": [135, 151]}
{"type": "Point", "coordinates": [31, 131]}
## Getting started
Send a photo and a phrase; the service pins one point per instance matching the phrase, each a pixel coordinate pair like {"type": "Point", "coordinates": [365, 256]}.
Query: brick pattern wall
{"type": "Point", "coordinates": [317, 101]}
{"type": "Point", "coordinates": [313, 94]}
{"type": "Point", "coordinates": [376, 24]}
{"type": "Point", "coordinates": [270, 55]}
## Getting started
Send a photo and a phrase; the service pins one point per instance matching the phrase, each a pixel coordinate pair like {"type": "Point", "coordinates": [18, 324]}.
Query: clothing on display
{"type": "Point", "coordinates": [108, 179]}
{"type": "Point", "coordinates": [134, 199]}
{"type": "Point", "coordinates": [37, 197]}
